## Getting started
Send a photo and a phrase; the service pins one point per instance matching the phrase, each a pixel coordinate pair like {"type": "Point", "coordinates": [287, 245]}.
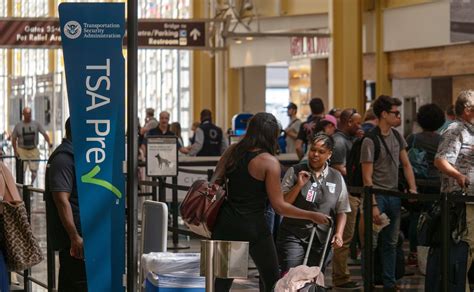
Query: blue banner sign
{"type": "Point", "coordinates": [92, 36]}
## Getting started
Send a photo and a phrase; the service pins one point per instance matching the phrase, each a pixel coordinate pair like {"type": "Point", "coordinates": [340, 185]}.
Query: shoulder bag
{"type": "Point", "coordinates": [201, 205]}
{"type": "Point", "coordinates": [21, 247]}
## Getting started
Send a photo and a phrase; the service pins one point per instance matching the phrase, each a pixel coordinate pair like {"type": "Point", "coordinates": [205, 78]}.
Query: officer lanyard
{"type": "Point", "coordinates": [317, 184]}
{"type": "Point", "coordinates": [313, 174]}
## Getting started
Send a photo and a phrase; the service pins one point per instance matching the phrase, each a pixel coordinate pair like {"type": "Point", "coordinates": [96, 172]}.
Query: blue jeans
{"type": "Point", "coordinates": [389, 237]}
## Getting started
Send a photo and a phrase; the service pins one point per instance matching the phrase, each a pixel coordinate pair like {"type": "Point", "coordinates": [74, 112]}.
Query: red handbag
{"type": "Point", "coordinates": [201, 205]}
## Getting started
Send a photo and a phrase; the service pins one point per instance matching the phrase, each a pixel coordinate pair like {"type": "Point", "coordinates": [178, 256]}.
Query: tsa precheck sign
{"type": "Point", "coordinates": [92, 36]}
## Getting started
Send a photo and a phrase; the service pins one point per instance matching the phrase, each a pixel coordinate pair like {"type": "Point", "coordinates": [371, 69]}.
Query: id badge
{"type": "Point", "coordinates": [311, 195]}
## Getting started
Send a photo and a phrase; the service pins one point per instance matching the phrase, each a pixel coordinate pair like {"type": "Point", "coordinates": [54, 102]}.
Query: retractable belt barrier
{"type": "Point", "coordinates": [444, 198]}
{"type": "Point", "coordinates": [365, 192]}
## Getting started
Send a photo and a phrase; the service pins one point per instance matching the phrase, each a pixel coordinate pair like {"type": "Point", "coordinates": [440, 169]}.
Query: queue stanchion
{"type": "Point", "coordinates": [223, 259]}
{"type": "Point", "coordinates": [210, 173]}
{"type": "Point", "coordinates": [19, 170]}
{"type": "Point", "coordinates": [368, 251]}
{"type": "Point", "coordinates": [162, 189]}
{"type": "Point", "coordinates": [27, 201]}
{"type": "Point", "coordinates": [445, 239]}
{"type": "Point", "coordinates": [174, 206]}
{"type": "Point", "coordinates": [50, 260]}
{"type": "Point", "coordinates": [154, 190]}
{"type": "Point", "coordinates": [51, 269]}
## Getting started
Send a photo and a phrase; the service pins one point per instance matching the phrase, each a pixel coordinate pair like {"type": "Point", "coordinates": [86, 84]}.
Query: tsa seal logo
{"type": "Point", "coordinates": [72, 29]}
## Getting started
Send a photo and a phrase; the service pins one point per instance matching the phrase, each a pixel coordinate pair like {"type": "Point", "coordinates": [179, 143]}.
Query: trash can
{"type": "Point", "coordinates": [172, 272]}
{"type": "Point", "coordinates": [223, 259]}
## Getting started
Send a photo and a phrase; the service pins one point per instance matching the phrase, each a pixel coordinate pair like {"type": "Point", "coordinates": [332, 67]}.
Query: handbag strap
{"type": "Point", "coordinates": [10, 184]}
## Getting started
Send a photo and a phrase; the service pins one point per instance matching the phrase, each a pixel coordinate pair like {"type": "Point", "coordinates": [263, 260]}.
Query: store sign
{"type": "Point", "coordinates": [461, 24]}
{"type": "Point", "coordinates": [92, 35]}
{"type": "Point", "coordinates": [15, 32]}
{"type": "Point", "coordinates": [303, 47]}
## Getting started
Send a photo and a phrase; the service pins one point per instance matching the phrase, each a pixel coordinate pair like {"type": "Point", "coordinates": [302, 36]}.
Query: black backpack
{"type": "Point", "coordinates": [353, 165]}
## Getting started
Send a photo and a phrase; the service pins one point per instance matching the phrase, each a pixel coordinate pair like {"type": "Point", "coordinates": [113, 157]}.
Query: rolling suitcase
{"type": "Point", "coordinates": [457, 268]}
{"type": "Point", "coordinates": [312, 284]}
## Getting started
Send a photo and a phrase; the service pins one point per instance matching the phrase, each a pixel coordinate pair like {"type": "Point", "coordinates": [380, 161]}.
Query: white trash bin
{"type": "Point", "coordinates": [172, 272]}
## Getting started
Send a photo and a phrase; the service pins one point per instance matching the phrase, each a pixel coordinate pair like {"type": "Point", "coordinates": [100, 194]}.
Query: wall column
{"type": "Point", "coordinates": [253, 89]}
{"type": "Point", "coordinates": [233, 92]}
{"type": "Point", "coordinates": [345, 69]}
{"type": "Point", "coordinates": [319, 79]}
{"type": "Point", "coordinates": [203, 73]}
{"type": "Point", "coordinates": [9, 67]}
{"type": "Point", "coordinates": [52, 52]}
{"type": "Point", "coordinates": [383, 84]}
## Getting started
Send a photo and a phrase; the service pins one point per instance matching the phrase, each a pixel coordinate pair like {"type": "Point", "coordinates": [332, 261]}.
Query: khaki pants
{"type": "Point", "coordinates": [340, 270]}
{"type": "Point", "coordinates": [469, 238]}
{"type": "Point", "coordinates": [27, 154]}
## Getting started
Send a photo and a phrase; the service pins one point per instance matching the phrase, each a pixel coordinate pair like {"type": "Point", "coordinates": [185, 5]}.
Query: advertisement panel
{"type": "Point", "coordinates": [92, 36]}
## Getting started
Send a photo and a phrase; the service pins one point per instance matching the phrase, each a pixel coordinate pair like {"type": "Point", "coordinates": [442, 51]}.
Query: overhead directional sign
{"type": "Point", "coordinates": [152, 33]}
{"type": "Point", "coordinates": [171, 33]}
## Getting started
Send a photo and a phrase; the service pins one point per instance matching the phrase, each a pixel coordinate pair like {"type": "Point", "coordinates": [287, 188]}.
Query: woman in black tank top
{"type": "Point", "coordinates": [253, 175]}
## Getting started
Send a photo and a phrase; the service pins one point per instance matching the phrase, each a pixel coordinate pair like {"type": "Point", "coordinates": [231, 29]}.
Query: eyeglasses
{"type": "Point", "coordinates": [396, 113]}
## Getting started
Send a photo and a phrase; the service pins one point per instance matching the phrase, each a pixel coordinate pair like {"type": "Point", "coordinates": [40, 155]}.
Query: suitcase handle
{"type": "Point", "coordinates": [326, 244]}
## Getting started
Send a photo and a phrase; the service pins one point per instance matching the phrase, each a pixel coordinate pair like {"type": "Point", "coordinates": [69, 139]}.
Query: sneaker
{"type": "Point", "coordinates": [348, 285]}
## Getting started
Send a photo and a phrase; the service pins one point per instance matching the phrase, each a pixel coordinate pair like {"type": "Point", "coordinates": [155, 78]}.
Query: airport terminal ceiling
{"type": "Point", "coordinates": [166, 79]}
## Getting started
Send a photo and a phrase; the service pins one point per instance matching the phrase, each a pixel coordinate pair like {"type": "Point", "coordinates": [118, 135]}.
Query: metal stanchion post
{"type": "Point", "coordinates": [132, 147]}
{"type": "Point", "coordinates": [209, 247]}
{"type": "Point", "coordinates": [19, 170]}
{"type": "Point", "coordinates": [26, 273]}
{"type": "Point", "coordinates": [210, 173]}
{"type": "Point", "coordinates": [162, 190]}
{"type": "Point", "coordinates": [50, 260]}
{"type": "Point", "coordinates": [368, 252]}
{"type": "Point", "coordinates": [224, 260]}
{"type": "Point", "coordinates": [445, 239]}
{"type": "Point", "coordinates": [174, 206]}
{"type": "Point", "coordinates": [175, 212]}
{"type": "Point", "coordinates": [154, 196]}
{"type": "Point", "coordinates": [51, 269]}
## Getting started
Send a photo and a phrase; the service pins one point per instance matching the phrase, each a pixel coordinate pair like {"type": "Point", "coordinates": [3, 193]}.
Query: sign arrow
{"type": "Point", "coordinates": [195, 33]}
